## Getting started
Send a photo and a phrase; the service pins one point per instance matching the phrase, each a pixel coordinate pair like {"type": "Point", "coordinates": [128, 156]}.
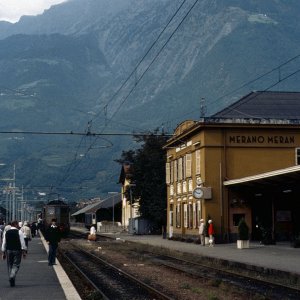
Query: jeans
{"type": "Point", "coordinates": [202, 239]}
{"type": "Point", "coordinates": [13, 262]}
{"type": "Point", "coordinates": [52, 254]}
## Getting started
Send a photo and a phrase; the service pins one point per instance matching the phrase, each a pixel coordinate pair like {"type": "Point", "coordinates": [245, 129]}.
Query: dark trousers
{"type": "Point", "coordinates": [26, 242]}
{"type": "Point", "coordinates": [13, 262]}
{"type": "Point", "coordinates": [52, 253]}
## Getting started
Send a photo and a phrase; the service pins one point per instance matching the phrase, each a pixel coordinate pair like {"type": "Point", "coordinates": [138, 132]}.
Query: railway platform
{"type": "Point", "coordinates": [35, 279]}
{"type": "Point", "coordinates": [280, 259]}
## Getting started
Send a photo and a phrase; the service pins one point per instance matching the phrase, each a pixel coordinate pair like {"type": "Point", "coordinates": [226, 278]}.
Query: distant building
{"type": "Point", "coordinates": [246, 162]}
{"type": "Point", "coordinates": [130, 208]}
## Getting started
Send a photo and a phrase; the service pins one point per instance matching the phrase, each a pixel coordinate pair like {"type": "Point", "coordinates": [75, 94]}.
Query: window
{"type": "Point", "coordinates": [184, 189]}
{"type": "Point", "coordinates": [178, 215]}
{"type": "Point", "coordinates": [172, 171]}
{"type": "Point", "coordinates": [175, 171]}
{"type": "Point", "coordinates": [297, 156]}
{"type": "Point", "coordinates": [190, 185]}
{"type": "Point", "coordinates": [198, 213]}
{"type": "Point", "coordinates": [168, 173]}
{"type": "Point", "coordinates": [190, 215]}
{"type": "Point", "coordinates": [183, 168]}
{"type": "Point", "coordinates": [171, 190]}
{"type": "Point", "coordinates": [179, 169]}
{"type": "Point", "coordinates": [178, 188]}
{"type": "Point", "coordinates": [185, 215]}
{"type": "Point", "coordinates": [171, 215]}
{"type": "Point", "coordinates": [197, 154]}
{"type": "Point", "coordinates": [188, 165]}
{"type": "Point", "coordinates": [194, 216]}
{"type": "Point", "coordinates": [236, 219]}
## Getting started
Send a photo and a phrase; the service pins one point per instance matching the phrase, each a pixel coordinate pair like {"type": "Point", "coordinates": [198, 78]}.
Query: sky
{"type": "Point", "coordinates": [12, 10]}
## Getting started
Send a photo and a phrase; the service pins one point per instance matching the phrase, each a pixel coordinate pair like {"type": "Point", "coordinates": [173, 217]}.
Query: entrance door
{"type": "Point", "coordinates": [262, 218]}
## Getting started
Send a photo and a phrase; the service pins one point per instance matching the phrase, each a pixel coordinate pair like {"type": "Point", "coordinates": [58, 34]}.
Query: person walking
{"type": "Point", "coordinates": [13, 247]}
{"type": "Point", "coordinates": [27, 233]}
{"type": "Point", "coordinates": [33, 228]}
{"type": "Point", "coordinates": [202, 232]}
{"type": "Point", "coordinates": [52, 237]}
{"type": "Point", "coordinates": [211, 232]}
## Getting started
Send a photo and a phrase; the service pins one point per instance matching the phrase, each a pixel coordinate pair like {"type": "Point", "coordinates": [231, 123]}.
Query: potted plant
{"type": "Point", "coordinates": [243, 235]}
{"type": "Point", "coordinates": [296, 241]}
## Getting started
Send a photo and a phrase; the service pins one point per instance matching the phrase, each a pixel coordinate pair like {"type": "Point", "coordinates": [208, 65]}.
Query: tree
{"type": "Point", "coordinates": [243, 230]}
{"type": "Point", "coordinates": [149, 176]}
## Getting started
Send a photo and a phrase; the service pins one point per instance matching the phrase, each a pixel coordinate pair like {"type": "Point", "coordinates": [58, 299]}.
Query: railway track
{"type": "Point", "coordinates": [108, 280]}
{"type": "Point", "coordinates": [252, 284]}
{"type": "Point", "coordinates": [268, 289]}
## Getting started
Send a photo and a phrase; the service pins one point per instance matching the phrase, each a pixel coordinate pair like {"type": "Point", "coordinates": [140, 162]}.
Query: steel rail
{"type": "Point", "coordinates": [147, 287]}
{"type": "Point", "coordinates": [261, 282]}
{"type": "Point", "coordinates": [83, 275]}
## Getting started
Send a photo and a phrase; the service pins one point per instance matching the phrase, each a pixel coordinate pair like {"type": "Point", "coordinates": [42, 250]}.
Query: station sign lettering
{"type": "Point", "coordinates": [260, 139]}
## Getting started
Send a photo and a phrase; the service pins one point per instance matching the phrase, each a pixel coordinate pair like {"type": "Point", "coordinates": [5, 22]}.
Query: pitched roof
{"type": "Point", "coordinates": [106, 203]}
{"type": "Point", "coordinates": [264, 105]}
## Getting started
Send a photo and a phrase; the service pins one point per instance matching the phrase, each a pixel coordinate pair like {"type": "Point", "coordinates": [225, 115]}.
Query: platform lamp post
{"type": "Point", "coordinates": [113, 207]}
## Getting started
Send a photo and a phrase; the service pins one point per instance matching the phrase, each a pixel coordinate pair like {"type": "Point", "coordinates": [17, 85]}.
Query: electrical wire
{"type": "Point", "coordinates": [246, 84]}
{"type": "Point", "coordinates": [141, 60]}
{"type": "Point", "coordinates": [139, 79]}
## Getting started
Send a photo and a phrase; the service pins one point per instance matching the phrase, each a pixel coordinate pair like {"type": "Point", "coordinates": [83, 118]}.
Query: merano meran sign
{"type": "Point", "coordinates": [260, 139]}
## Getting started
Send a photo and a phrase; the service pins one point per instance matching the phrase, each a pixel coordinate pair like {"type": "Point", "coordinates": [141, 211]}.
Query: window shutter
{"type": "Point", "coordinates": [188, 162]}
{"type": "Point", "coordinates": [197, 153]}
{"type": "Point", "coordinates": [168, 173]}
{"type": "Point", "coordinates": [180, 169]}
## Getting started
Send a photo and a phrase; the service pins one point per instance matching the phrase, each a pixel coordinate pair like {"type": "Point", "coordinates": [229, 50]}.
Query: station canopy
{"type": "Point", "coordinates": [285, 179]}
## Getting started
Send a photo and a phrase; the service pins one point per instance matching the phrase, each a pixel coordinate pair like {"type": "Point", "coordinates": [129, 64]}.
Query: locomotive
{"type": "Point", "coordinates": [59, 210]}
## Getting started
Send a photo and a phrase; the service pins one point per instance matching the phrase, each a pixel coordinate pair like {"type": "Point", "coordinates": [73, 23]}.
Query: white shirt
{"type": "Point", "coordinates": [23, 246]}
{"type": "Point", "coordinates": [93, 230]}
{"type": "Point", "coordinates": [201, 228]}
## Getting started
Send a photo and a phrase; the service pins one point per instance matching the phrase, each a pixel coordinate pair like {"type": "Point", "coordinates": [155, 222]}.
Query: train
{"type": "Point", "coordinates": [59, 210]}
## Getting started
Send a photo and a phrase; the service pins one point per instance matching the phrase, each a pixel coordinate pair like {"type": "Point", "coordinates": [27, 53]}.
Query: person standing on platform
{"type": "Point", "coordinates": [13, 247]}
{"type": "Point", "coordinates": [92, 235]}
{"type": "Point", "coordinates": [211, 232]}
{"type": "Point", "coordinates": [52, 237]}
{"type": "Point", "coordinates": [202, 232]}
{"type": "Point", "coordinates": [27, 233]}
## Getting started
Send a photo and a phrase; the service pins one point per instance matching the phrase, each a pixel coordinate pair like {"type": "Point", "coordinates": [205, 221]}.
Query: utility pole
{"type": "Point", "coordinates": [14, 195]}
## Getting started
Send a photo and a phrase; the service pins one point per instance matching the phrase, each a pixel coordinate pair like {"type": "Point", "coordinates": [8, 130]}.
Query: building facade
{"type": "Point", "coordinates": [245, 168]}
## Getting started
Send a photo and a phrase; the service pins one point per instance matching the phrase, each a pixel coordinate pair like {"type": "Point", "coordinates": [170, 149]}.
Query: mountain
{"type": "Point", "coordinates": [68, 70]}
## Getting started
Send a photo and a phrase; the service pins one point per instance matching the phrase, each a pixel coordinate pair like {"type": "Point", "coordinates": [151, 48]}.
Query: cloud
{"type": "Point", "coordinates": [12, 10]}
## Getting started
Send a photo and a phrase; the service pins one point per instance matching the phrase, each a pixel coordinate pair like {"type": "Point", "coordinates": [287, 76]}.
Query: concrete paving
{"type": "Point", "coordinates": [35, 279]}
{"type": "Point", "coordinates": [278, 257]}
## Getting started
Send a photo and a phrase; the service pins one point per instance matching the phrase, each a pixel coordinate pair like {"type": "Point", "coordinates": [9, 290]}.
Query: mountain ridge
{"type": "Point", "coordinates": [68, 70]}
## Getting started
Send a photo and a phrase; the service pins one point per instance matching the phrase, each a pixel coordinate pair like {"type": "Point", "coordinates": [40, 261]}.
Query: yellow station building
{"type": "Point", "coordinates": [245, 160]}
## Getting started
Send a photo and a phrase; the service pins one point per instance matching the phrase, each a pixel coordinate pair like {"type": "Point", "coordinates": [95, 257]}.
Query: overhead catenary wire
{"type": "Point", "coordinates": [140, 62]}
{"type": "Point", "coordinates": [108, 120]}
{"type": "Point", "coordinates": [280, 79]}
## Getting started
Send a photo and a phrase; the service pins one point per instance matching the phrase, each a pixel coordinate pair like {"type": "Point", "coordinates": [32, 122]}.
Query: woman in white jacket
{"type": "Point", "coordinates": [27, 233]}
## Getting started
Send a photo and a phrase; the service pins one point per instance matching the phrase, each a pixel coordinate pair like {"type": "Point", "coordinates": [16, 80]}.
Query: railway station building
{"type": "Point", "coordinates": [245, 163]}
